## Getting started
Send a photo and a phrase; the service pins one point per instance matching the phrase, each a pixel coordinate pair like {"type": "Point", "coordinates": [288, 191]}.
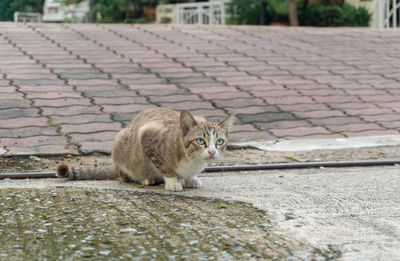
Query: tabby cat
{"type": "Point", "coordinates": [161, 145]}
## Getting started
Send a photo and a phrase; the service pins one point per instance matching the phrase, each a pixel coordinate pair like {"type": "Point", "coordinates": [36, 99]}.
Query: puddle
{"type": "Point", "coordinates": [78, 223]}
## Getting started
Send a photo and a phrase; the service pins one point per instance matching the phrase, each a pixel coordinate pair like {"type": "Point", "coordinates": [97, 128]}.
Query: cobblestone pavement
{"type": "Point", "coordinates": [69, 88]}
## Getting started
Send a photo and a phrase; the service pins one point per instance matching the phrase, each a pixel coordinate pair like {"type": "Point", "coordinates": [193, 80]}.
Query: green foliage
{"type": "Point", "coordinates": [149, 3]}
{"type": "Point", "coordinates": [319, 15]}
{"type": "Point", "coordinates": [8, 7]}
{"type": "Point", "coordinates": [136, 20]}
{"type": "Point", "coordinates": [280, 6]}
{"type": "Point", "coordinates": [356, 16]}
{"type": "Point", "coordinates": [5, 14]}
{"type": "Point", "coordinates": [26, 6]}
{"type": "Point", "coordinates": [166, 20]}
{"type": "Point", "coordinates": [111, 11]}
{"type": "Point", "coordinates": [332, 15]}
{"type": "Point", "coordinates": [248, 12]}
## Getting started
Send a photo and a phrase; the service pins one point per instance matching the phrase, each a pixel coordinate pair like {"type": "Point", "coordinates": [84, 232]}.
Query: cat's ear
{"type": "Point", "coordinates": [187, 122]}
{"type": "Point", "coordinates": [227, 123]}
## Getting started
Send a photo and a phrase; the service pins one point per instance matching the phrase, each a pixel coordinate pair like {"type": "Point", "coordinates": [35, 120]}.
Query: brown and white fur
{"type": "Point", "coordinates": [161, 145]}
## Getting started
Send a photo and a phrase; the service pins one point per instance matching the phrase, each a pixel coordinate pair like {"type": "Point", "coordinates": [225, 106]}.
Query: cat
{"type": "Point", "coordinates": [162, 146]}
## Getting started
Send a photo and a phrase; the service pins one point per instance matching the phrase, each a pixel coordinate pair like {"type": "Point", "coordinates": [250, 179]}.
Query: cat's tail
{"type": "Point", "coordinates": [96, 173]}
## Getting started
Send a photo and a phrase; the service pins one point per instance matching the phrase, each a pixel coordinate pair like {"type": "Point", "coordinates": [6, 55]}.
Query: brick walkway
{"type": "Point", "coordinates": [70, 88]}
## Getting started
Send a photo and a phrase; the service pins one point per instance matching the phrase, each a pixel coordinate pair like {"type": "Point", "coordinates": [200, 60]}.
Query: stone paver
{"type": "Point", "coordinates": [69, 88]}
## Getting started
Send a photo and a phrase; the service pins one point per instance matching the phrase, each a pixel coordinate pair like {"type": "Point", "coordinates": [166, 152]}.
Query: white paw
{"type": "Point", "coordinates": [173, 184]}
{"type": "Point", "coordinates": [149, 182]}
{"type": "Point", "coordinates": [193, 182]}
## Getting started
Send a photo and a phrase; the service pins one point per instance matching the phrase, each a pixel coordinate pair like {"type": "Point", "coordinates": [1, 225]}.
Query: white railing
{"type": "Point", "coordinates": [57, 11]}
{"type": "Point", "coordinates": [212, 12]}
{"type": "Point", "coordinates": [27, 17]}
{"type": "Point", "coordinates": [388, 13]}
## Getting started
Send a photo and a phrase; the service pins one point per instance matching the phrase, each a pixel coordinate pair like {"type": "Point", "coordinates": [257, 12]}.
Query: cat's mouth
{"type": "Point", "coordinates": [211, 158]}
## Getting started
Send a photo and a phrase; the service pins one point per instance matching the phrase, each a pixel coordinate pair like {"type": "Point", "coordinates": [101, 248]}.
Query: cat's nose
{"type": "Point", "coordinates": [211, 152]}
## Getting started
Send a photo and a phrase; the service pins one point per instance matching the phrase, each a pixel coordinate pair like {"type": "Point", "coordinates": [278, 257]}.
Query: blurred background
{"type": "Point", "coordinates": [255, 12]}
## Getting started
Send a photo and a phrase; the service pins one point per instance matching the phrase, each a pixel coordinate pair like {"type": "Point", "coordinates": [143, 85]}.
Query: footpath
{"type": "Point", "coordinates": [68, 88]}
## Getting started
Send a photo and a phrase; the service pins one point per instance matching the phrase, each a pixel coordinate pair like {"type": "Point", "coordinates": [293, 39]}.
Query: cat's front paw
{"type": "Point", "coordinates": [173, 184]}
{"type": "Point", "coordinates": [149, 182]}
{"type": "Point", "coordinates": [193, 182]}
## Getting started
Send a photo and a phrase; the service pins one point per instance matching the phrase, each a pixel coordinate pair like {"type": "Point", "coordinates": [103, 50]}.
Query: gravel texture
{"type": "Point", "coordinates": [67, 223]}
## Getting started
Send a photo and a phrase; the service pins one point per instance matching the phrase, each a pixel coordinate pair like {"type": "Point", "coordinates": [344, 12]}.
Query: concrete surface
{"type": "Point", "coordinates": [352, 210]}
{"type": "Point", "coordinates": [323, 144]}
{"type": "Point", "coordinates": [68, 88]}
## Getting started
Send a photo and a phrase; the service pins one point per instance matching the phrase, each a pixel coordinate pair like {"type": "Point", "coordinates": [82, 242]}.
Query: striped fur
{"type": "Point", "coordinates": [95, 173]}
{"type": "Point", "coordinates": [160, 145]}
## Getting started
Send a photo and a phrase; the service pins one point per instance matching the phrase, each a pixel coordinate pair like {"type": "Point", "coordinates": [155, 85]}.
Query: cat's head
{"type": "Point", "coordinates": [202, 139]}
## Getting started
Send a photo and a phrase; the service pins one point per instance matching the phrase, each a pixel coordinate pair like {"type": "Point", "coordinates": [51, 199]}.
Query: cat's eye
{"type": "Point", "coordinates": [200, 141]}
{"type": "Point", "coordinates": [220, 142]}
